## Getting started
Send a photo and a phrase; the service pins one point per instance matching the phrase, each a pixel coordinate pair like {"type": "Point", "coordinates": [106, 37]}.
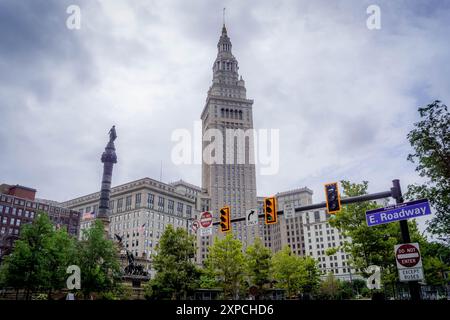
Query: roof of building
{"type": "Point", "coordinates": [294, 191]}
{"type": "Point", "coordinates": [184, 183]}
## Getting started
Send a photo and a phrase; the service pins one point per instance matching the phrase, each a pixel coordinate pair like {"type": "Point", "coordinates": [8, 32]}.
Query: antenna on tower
{"type": "Point", "coordinates": [224, 15]}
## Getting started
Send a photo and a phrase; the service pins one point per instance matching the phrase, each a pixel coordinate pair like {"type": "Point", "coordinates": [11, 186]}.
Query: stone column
{"type": "Point", "coordinates": [109, 158]}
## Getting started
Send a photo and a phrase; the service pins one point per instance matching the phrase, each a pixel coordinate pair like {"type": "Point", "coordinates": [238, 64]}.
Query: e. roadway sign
{"type": "Point", "coordinates": [398, 212]}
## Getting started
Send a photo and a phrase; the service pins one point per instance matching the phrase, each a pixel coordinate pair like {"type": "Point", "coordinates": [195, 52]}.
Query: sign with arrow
{"type": "Point", "coordinates": [252, 217]}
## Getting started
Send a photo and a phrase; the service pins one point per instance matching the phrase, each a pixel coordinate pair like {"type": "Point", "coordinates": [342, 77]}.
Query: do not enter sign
{"type": "Point", "coordinates": [206, 219]}
{"type": "Point", "coordinates": [408, 255]}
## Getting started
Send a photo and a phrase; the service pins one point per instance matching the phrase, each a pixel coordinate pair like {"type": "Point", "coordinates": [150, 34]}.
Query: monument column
{"type": "Point", "coordinates": [109, 158]}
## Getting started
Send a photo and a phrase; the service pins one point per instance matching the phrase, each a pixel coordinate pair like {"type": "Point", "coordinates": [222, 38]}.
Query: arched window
{"type": "Point", "coordinates": [240, 114]}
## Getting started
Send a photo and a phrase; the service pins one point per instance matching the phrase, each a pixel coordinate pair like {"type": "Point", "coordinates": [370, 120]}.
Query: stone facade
{"type": "Point", "coordinates": [140, 212]}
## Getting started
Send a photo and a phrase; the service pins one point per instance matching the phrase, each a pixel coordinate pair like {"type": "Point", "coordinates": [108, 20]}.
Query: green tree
{"type": "Point", "coordinates": [226, 262]}
{"type": "Point", "coordinates": [329, 288]}
{"type": "Point", "coordinates": [309, 280]}
{"type": "Point", "coordinates": [258, 265]}
{"type": "Point", "coordinates": [436, 262]}
{"type": "Point", "coordinates": [430, 140]}
{"type": "Point", "coordinates": [98, 261]}
{"type": "Point", "coordinates": [287, 271]}
{"type": "Point", "coordinates": [177, 275]}
{"type": "Point", "coordinates": [27, 266]}
{"type": "Point", "coordinates": [60, 254]}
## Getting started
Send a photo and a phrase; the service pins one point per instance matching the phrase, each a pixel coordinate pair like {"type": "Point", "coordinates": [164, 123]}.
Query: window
{"type": "Point", "coordinates": [111, 204]}
{"type": "Point", "coordinates": [160, 203]}
{"type": "Point", "coordinates": [180, 208]}
{"type": "Point", "coordinates": [119, 205]}
{"type": "Point", "coordinates": [188, 210]}
{"type": "Point", "coordinates": [170, 205]}
{"type": "Point", "coordinates": [150, 200]}
{"type": "Point", "coordinates": [11, 222]}
{"type": "Point", "coordinates": [128, 203]}
{"type": "Point", "coordinates": [137, 200]}
{"type": "Point", "coordinates": [316, 216]}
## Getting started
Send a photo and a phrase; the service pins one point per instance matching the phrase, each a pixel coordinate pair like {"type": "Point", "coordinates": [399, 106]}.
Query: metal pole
{"type": "Point", "coordinates": [414, 289]}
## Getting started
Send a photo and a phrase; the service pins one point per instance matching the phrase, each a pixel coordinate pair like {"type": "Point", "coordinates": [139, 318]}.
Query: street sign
{"type": "Point", "coordinates": [252, 217]}
{"type": "Point", "coordinates": [206, 231]}
{"type": "Point", "coordinates": [195, 226]}
{"type": "Point", "coordinates": [206, 219]}
{"type": "Point", "coordinates": [402, 211]}
{"type": "Point", "coordinates": [289, 210]}
{"type": "Point", "coordinates": [409, 262]}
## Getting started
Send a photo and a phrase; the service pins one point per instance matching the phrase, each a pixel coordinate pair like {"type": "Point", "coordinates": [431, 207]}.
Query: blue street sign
{"type": "Point", "coordinates": [398, 212]}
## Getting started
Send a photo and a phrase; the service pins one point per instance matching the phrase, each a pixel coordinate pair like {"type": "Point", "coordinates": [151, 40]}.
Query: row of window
{"type": "Point", "coordinates": [15, 211]}
{"type": "Point", "coordinates": [9, 231]}
{"type": "Point", "coordinates": [33, 205]}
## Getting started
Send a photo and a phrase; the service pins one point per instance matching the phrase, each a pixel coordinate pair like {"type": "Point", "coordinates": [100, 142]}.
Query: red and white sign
{"type": "Point", "coordinates": [195, 226]}
{"type": "Point", "coordinates": [408, 255]}
{"type": "Point", "coordinates": [206, 219]}
{"type": "Point", "coordinates": [409, 262]}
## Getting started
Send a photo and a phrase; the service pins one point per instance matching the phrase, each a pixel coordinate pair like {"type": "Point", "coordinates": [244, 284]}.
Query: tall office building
{"type": "Point", "coordinates": [228, 169]}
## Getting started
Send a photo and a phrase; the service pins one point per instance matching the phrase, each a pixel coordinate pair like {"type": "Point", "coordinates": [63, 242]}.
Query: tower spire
{"type": "Point", "coordinates": [224, 16]}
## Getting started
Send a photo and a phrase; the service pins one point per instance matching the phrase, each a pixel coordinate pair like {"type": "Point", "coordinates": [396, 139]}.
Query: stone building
{"type": "Point", "coordinates": [140, 212]}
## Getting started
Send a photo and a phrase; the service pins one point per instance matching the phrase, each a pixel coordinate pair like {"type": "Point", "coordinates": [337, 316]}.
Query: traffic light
{"type": "Point", "coordinates": [225, 224]}
{"type": "Point", "coordinates": [332, 197]}
{"type": "Point", "coordinates": [270, 210]}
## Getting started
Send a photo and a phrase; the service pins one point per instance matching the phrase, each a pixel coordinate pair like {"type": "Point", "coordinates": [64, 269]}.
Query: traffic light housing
{"type": "Point", "coordinates": [270, 210]}
{"type": "Point", "coordinates": [225, 223]}
{"type": "Point", "coordinates": [332, 197]}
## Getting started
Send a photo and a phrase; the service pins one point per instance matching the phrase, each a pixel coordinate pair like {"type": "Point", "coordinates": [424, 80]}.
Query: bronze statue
{"type": "Point", "coordinates": [112, 134]}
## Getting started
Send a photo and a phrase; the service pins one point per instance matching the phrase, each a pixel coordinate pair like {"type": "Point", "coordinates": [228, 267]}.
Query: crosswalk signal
{"type": "Point", "coordinates": [225, 224]}
{"type": "Point", "coordinates": [270, 210]}
{"type": "Point", "coordinates": [332, 197]}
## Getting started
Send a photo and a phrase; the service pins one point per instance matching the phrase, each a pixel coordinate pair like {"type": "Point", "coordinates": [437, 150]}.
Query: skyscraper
{"type": "Point", "coordinates": [228, 168]}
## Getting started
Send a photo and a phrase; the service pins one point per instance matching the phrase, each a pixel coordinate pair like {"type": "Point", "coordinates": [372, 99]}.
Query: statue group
{"type": "Point", "coordinates": [133, 268]}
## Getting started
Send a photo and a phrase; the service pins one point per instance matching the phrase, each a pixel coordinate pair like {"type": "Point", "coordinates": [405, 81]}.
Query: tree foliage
{"type": "Point", "coordinates": [226, 262]}
{"type": "Point", "coordinates": [39, 259]}
{"type": "Point", "coordinates": [295, 274]}
{"type": "Point", "coordinates": [177, 275]}
{"type": "Point", "coordinates": [430, 140]}
{"type": "Point", "coordinates": [258, 265]}
{"type": "Point", "coordinates": [98, 260]}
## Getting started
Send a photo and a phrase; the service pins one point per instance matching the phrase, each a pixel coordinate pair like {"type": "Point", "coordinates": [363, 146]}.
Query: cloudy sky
{"type": "Point", "coordinates": [343, 97]}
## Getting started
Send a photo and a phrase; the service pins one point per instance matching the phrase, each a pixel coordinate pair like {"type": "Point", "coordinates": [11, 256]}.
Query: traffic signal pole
{"type": "Point", "coordinates": [395, 193]}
